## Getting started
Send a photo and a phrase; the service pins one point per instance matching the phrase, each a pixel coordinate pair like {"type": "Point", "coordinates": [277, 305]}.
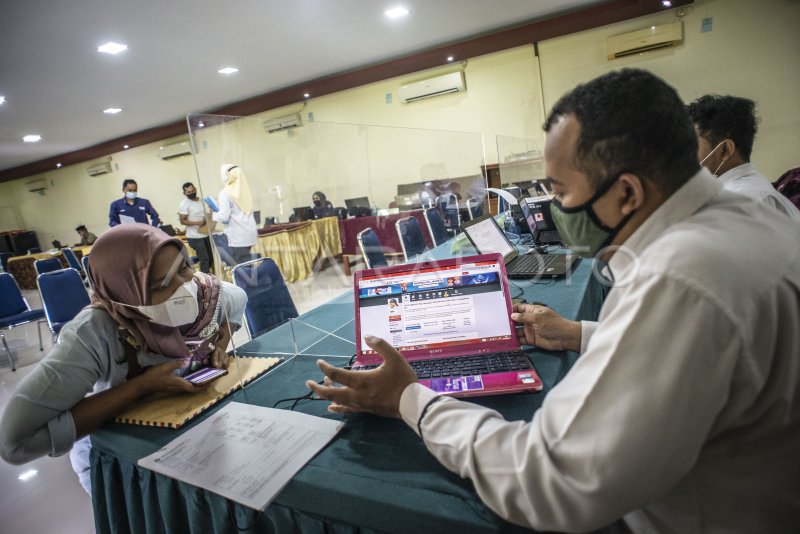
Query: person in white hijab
{"type": "Point", "coordinates": [235, 211]}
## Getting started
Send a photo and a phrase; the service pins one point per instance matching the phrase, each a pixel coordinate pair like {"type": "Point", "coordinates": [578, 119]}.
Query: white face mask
{"type": "Point", "coordinates": [180, 309]}
{"type": "Point", "coordinates": [130, 195]}
{"type": "Point", "coordinates": [709, 155]}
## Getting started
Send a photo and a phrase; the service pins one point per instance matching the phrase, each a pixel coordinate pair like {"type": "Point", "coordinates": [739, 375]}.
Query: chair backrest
{"type": "Point", "coordinates": [72, 259]}
{"type": "Point", "coordinates": [63, 296]}
{"type": "Point", "coordinates": [34, 250]}
{"type": "Point", "coordinates": [47, 265]}
{"type": "Point", "coordinates": [85, 263]}
{"type": "Point", "coordinates": [436, 226]}
{"type": "Point", "coordinates": [371, 248]}
{"type": "Point", "coordinates": [11, 300]}
{"type": "Point", "coordinates": [448, 205]}
{"type": "Point", "coordinates": [269, 302]}
{"type": "Point", "coordinates": [4, 259]}
{"type": "Point", "coordinates": [410, 235]}
{"type": "Point", "coordinates": [789, 185]}
{"type": "Point", "coordinates": [475, 207]}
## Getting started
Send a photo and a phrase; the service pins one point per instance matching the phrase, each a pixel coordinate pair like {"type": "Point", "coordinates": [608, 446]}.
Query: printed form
{"type": "Point", "coordinates": [243, 452]}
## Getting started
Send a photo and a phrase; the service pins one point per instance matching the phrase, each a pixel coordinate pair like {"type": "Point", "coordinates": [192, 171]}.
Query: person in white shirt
{"type": "Point", "coordinates": [193, 215]}
{"type": "Point", "coordinates": [236, 212]}
{"type": "Point", "coordinates": [682, 413]}
{"type": "Point", "coordinates": [726, 129]}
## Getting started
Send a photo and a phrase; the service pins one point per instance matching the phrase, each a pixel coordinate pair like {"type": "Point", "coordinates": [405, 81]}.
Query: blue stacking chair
{"type": "Point", "coordinates": [436, 226]}
{"type": "Point", "coordinates": [411, 238]}
{"type": "Point", "coordinates": [475, 208]}
{"type": "Point", "coordinates": [47, 265]}
{"type": "Point", "coordinates": [72, 259]}
{"type": "Point", "coordinates": [269, 302]}
{"type": "Point", "coordinates": [371, 249]}
{"type": "Point", "coordinates": [85, 264]}
{"type": "Point", "coordinates": [15, 311]}
{"type": "Point", "coordinates": [63, 296]}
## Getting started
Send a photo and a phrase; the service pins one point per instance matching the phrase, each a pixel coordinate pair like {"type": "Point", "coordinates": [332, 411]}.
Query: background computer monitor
{"type": "Point", "coordinates": [257, 216]}
{"type": "Point", "coordinates": [358, 207]}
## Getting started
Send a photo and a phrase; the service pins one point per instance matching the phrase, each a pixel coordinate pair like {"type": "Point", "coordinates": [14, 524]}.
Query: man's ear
{"type": "Point", "coordinates": [632, 192]}
{"type": "Point", "coordinates": [728, 148]}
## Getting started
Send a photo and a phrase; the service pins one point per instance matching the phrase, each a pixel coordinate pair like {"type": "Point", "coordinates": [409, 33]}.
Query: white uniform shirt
{"type": "Point", "coordinates": [683, 413]}
{"type": "Point", "coordinates": [746, 180]}
{"type": "Point", "coordinates": [195, 212]}
{"type": "Point", "coordinates": [240, 227]}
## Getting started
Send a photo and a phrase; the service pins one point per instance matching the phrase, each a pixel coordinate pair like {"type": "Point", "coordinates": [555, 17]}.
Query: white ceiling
{"type": "Point", "coordinates": [56, 84]}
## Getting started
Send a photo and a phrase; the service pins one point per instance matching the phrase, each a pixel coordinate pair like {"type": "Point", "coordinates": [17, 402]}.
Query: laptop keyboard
{"type": "Point", "coordinates": [549, 237]}
{"type": "Point", "coordinates": [533, 262]}
{"type": "Point", "coordinates": [483, 364]}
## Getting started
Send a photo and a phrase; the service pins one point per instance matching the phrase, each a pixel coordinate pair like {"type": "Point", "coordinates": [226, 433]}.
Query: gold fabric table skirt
{"type": "Point", "coordinates": [293, 250]}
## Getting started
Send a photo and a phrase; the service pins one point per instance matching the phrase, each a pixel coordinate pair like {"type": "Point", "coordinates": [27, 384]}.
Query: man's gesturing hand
{"type": "Point", "coordinates": [375, 391]}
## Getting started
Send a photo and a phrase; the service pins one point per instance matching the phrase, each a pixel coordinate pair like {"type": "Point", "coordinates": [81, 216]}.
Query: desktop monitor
{"type": "Point", "coordinates": [257, 216]}
{"type": "Point", "coordinates": [358, 207]}
{"type": "Point", "coordinates": [303, 213]}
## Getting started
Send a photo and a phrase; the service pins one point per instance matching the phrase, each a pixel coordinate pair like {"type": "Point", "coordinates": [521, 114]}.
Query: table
{"type": "Point", "coordinates": [375, 476]}
{"type": "Point", "coordinates": [384, 226]}
{"type": "Point", "coordinates": [24, 271]}
{"type": "Point", "coordinates": [296, 246]}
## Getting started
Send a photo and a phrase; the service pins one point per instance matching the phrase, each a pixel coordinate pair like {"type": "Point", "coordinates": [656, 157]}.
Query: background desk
{"type": "Point", "coordinates": [376, 475]}
{"type": "Point", "coordinates": [296, 246]}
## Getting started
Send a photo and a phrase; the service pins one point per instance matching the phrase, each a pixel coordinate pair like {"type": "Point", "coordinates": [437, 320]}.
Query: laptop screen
{"type": "Point", "coordinates": [487, 237]}
{"type": "Point", "coordinates": [539, 219]}
{"type": "Point", "coordinates": [435, 307]}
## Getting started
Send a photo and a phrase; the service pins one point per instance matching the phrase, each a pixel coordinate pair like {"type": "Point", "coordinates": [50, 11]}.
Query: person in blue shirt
{"type": "Point", "coordinates": [132, 206]}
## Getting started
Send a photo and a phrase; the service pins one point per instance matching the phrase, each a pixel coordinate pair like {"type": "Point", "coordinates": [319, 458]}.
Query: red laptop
{"type": "Point", "coordinates": [450, 319]}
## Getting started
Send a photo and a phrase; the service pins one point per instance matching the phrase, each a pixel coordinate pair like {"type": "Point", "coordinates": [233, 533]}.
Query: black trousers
{"type": "Point", "coordinates": [202, 246]}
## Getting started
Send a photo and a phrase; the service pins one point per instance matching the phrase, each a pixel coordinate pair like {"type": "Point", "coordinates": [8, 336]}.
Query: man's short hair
{"type": "Point", "coordinates": [81, 227]}
{"type": "Point", "coordinates": [720, 117]}
{"type": "Point", "coordinates": [127, 181]}
{"type": "Point", "coordinates": [631, 121]}
{"type": "Point", "coordinates": [187, 184]}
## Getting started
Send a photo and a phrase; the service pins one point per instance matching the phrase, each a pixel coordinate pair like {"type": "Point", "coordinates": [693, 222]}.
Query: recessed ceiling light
{"type": "Point", "coordinates": [112, 111]}
{"type": "Point", "coordinates": [666, 3]}
{"type": "Point", "coordinates": [228, 70]}
{"type": "Point", "coordinates": [112, 48]}
{"type": "Point", "coordinates": [396, 12]}
{"type": "Point", "coordinates": [2, 99]}
{"type": "Point", "coordinates": [30, 473]}
{"type": "Point", "coordinates": [306, 95]}
{"type": "Point", "coordinates": [32, 138]}
{"type": "Point", "coordinates": [450, 58]}
{"type": "Point", "coordinates": [125, 147]}
{"type": "Point", "coordinates": [58, 165]}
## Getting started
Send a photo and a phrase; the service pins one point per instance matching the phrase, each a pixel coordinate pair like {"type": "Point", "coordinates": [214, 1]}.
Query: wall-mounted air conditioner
{"type": "Point", "coordinates": [175, 150]}
{"type": "Point", "coordinates": [97, 170]}
{"type": "Point", "coordinates": [439, 85]}
{"type": "Point", "coordinates": [37, 186]}
{"type": "Point", "coordinates": [282, 123]}
{"type": "Point", "coordinates": [652, 38]}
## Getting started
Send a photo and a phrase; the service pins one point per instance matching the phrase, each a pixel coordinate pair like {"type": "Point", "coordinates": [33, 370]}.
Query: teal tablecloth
{"type": "Point", "coordinates": [375, 476]}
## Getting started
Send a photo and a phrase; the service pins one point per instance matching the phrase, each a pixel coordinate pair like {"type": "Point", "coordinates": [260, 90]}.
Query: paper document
{"type": "Point", "coordinates": [125, 219]}
{"type": "Point", "coordinates": [243, 452]}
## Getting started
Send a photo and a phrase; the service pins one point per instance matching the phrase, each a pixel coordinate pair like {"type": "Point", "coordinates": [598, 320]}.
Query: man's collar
{"type": "Point", "coordinates": [681, 204]}
{"type": "Point", "coordinates": [736, 172]}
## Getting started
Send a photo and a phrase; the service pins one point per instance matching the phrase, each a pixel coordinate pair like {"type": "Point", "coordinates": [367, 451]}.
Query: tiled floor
{"type": "Point", "coordinates": [52, 500]}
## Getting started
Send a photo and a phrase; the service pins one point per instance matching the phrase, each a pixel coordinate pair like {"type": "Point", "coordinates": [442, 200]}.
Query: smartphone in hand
{"type": "Point", "coordinates": [205, 375]}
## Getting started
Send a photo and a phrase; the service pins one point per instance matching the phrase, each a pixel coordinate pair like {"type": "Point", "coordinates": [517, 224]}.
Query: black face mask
{"type": "Point", "coordinates": [192, 196]}
{"type": "Point", "coordinates": [318, 203]}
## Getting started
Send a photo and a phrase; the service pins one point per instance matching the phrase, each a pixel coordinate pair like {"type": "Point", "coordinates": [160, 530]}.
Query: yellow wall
{"type": "Point", "coordinates": [751, 51]}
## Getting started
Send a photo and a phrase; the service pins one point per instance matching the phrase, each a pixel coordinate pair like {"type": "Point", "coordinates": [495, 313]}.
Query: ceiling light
{"type": "Point", "coordinates": [2, 99]}
{"type": "Point", "coordinates": [58, 165]}
{"type": "Point", "coordinates": [228, 70]}
{"type": "Point", "coordinates": [112, 111]}
{"type": "Point", "coordinates": [450, 58]}
{"type": "Point", "coordinates": [30, 473]}
{"type": "Point", "coordinates": [125, 147]}
{"type": "Point", "coordinates": [32, 138]}
{"type": "Point", "coordinates": [396, 12]}
{"type": "Point", "coordinates": [306, 95]}
{"type": "Point", "coordinates": [201, 124]}
{"type": "Point", "coordinates": [112, 48]}
{"type": "Point", "coordinates": [666, 3]}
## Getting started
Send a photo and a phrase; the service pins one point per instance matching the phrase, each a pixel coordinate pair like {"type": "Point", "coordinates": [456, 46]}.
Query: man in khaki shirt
{"type": "Point", "coordinates": [683, 412]}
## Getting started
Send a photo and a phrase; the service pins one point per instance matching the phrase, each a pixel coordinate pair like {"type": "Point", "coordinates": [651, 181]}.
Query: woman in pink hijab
{"type": "Point", "coordinates": [151, 321]}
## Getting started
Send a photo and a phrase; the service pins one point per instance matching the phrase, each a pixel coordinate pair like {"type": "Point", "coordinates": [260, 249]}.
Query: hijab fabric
{"type": "Point", "coordinates": [120, 265]}
{"type": "Point", "coordinates": [236, 185]}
